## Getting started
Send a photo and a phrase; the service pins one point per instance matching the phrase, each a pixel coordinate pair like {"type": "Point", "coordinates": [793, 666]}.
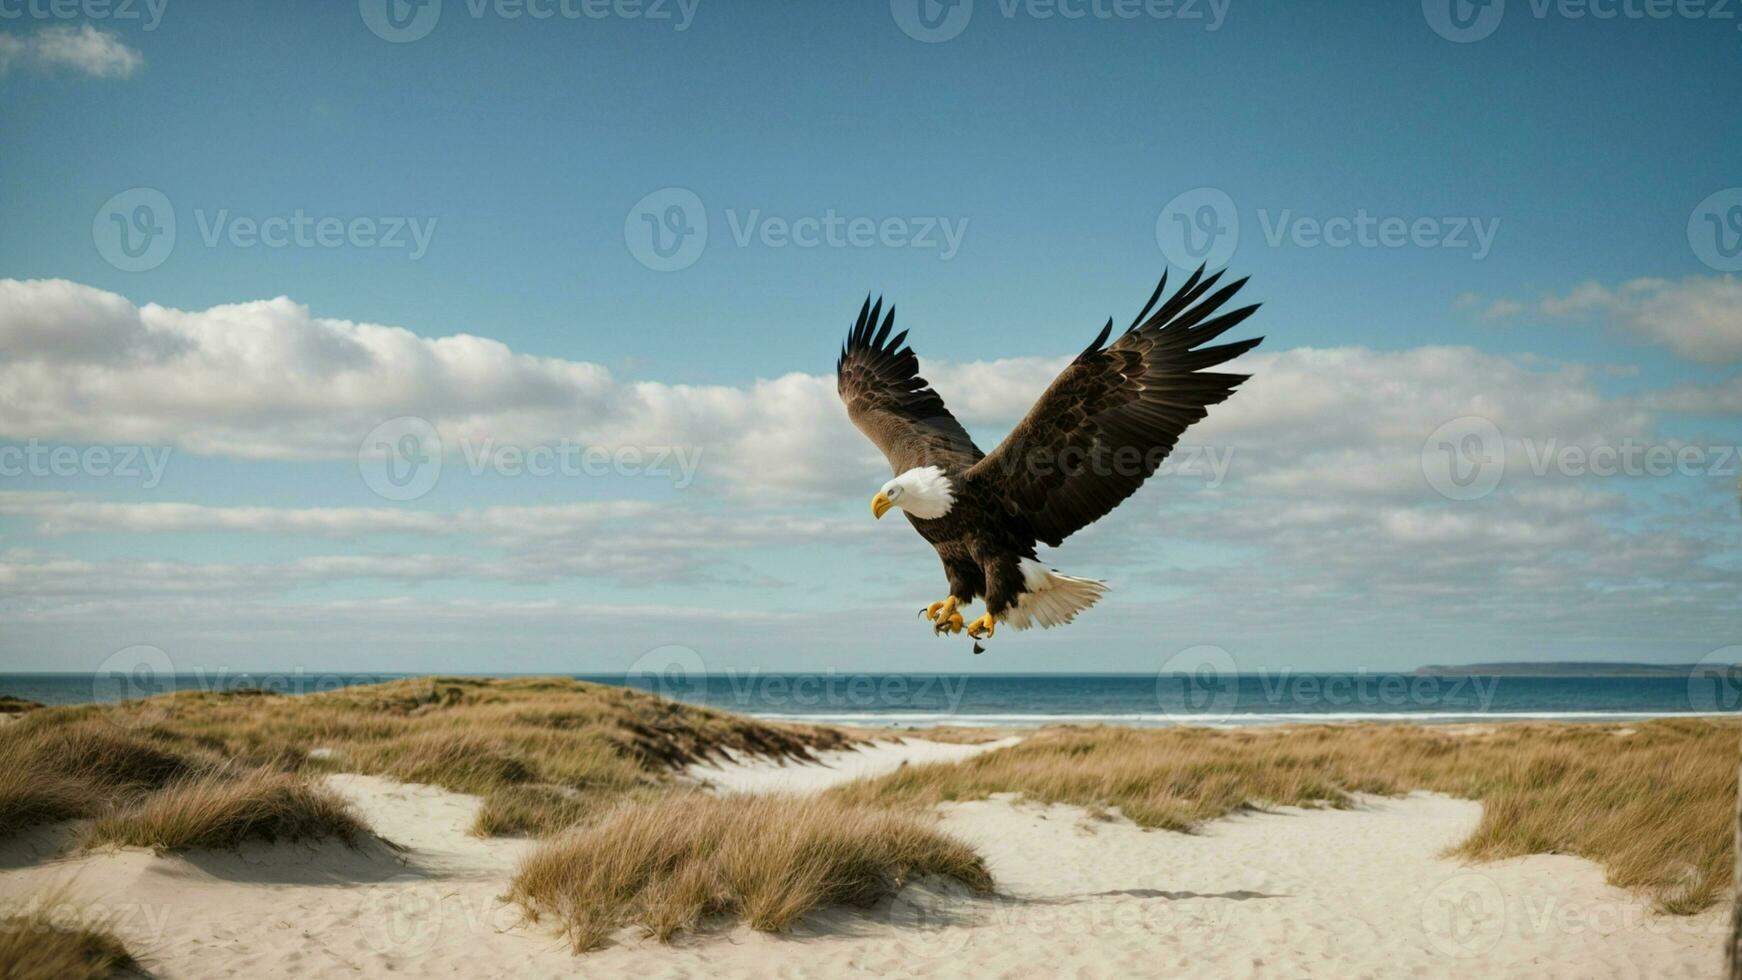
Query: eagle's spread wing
{"type": "Point", "coordinates": [1111, 417]}
{"type": "Point", "coordinates": [889, 402]}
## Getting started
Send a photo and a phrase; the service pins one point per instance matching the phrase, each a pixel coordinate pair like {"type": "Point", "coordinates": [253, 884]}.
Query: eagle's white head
{"type": "Point", "coordinates": [923, 491]}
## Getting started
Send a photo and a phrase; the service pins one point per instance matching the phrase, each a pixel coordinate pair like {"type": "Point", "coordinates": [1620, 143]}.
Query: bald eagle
{"type": "Point", "coordinates": [1102, 427]}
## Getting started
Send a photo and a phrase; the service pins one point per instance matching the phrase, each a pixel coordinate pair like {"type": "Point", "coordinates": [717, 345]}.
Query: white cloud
{"type": "Point", "coordinates": [995, 392]}
{"type": "Point", "coordinates": [1326, 517]}
{"type": "Point", "coordinates": [632, 542]}
{"type": "Point", "coordinates": [269, 380]}
{"type": "Point", "coordinates": [32, 577]}
{"type": "Point", "coordinates": [1352, 424]}
{"type": "Point", "coordinates": [56, 514]}
{"type": "Point", "coordinates": [1699, 318]}
{"type": "Point", "coordinates": [1486, 309]}
{"type": "Point", "coordinates": [1723, 398]}
{"type": "Point", "coordinates": [1514, 572]}
{"type": "Point", "coordinates": [1299, 576]}
{"type": "Point", "coordinates": [306, 640]}
{"type": "Point", "coordinates": [82, 49]}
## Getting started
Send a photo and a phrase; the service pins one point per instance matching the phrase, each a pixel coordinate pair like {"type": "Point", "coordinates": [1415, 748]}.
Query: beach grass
{"type": "Point", "coordinates": [687, 861]}
{"type": "Point", "coordinates": [580, 762]}
{"type": "Point", "coordinates": [220, 810]}
{"type": "Point", "coordinates": [149, 789]}
{"type": "Point", "coordinates": [541, 809]}
{"type": "Point", "coordinates": [75, 766]}
{"type": "Point", "coordinates": [543, 752]}
{"type": "Point", "coordinates": [14, 705]}
{"type": "Point", "coordinates": [47, 943]}
{"type": "Point", "coordinates": [1653, 803]}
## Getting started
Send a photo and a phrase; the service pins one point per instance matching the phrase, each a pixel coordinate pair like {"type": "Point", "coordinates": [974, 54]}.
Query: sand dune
{"type": "Point", "coordinates": [1291, 893]}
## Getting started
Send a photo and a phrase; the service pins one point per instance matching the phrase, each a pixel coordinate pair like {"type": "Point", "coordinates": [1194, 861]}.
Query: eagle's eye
{"type": "Point", "coordinates": [892, 492]}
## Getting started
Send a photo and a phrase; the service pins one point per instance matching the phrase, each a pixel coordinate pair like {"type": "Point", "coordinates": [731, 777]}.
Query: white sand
{"type": "Point", "coordinates": [760, 776]}
{"type": "Point", "coordinates": [1293, 893]}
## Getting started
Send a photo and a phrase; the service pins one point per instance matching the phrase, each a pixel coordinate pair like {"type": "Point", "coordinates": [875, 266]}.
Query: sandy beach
{"type": "Point", "coordinates": [1016, 489]}
{"type": "Point", "coordinates": [1289, 892]}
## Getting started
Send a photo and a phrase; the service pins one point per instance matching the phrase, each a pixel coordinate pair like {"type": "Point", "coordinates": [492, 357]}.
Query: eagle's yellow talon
{"type": "Point", "coordinates": [939, 611]}
{"type": "Point", "coordinates": [982, 628]}
{"type": "Point", "coordinates": [949, 624]}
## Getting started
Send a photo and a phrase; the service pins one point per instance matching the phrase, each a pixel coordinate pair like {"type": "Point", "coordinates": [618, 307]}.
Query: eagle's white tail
{"type": "Point", "coordinates": [1051, 598]}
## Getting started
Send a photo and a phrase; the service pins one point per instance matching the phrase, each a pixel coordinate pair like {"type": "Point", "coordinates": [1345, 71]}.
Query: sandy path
{"type": "Point", "coordinates": [759, 776]}
{"type": "Point", "coordinates": [1294, 893]}
{"type": "Point", "coordinates": [1291, 893]}
{"type": "Point", "coordinates": [319, 911]}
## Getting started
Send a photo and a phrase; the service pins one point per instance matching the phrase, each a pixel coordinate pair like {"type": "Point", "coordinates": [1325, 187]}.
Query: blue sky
{"type": "Point", "coordinates": [1053, 147]}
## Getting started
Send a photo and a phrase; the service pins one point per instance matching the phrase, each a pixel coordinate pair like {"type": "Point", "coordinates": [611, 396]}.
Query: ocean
{"type": "Point", "coordinates": [1004, 700]}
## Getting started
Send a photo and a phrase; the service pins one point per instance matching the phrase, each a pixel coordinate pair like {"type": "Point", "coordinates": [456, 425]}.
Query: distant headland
{"type": "Point", "coordinates": [1573, 668]}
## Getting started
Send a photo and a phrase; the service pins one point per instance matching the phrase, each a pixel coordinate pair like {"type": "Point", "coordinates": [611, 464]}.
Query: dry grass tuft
{"type": "Point", "coordinates": [1655, 808]}
{"type": "Point", "coordinates": [29, 798]}
{"type": "Point", "coordinates": [458, 760]}
{"type": "Point", "coordinates": [544, 752]}
{"type": "Point", "coordinates": [40, 945]}
{"type": "Point", "coordinates": [80, 768]}
{"type": "Point", "coordinates": [545, 808]}
{"type": "Point", "coordinates": [222, 810]}
{"type": "Point", "coordinates": [153, 787]}
{"type": "Point", "coordinates": [13, 705]}
{"type": "Point", "coordinates": [672, 865]}
{"type": "Point", "coordinates": [105, 756]}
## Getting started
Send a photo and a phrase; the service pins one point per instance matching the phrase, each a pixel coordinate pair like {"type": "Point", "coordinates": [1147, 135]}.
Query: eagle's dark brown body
{"type": "Point", "coordinates": [1103, 427]}
{"type": "Point", "coordinates": [981, 546]}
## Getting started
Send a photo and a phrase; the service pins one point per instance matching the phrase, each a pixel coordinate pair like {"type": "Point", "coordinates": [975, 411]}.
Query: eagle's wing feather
{"type": "Point", "coordinates": [879, 381]}
{"type": "Point", "coordinates": [1111, 417]}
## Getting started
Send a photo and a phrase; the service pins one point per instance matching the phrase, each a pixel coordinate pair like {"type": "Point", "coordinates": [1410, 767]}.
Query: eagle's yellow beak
{"type": "Point", "coordinates": [880, 505]}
